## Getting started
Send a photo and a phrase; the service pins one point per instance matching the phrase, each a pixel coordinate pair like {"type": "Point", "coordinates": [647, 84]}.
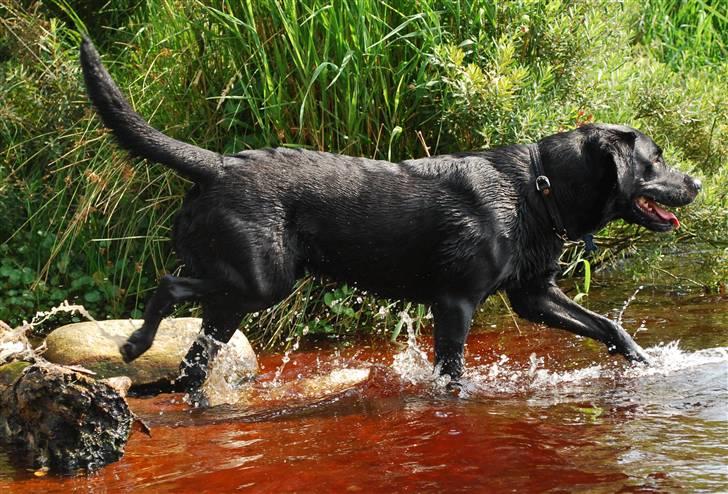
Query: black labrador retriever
{"type": "Point", "coordinates": [447, 231]}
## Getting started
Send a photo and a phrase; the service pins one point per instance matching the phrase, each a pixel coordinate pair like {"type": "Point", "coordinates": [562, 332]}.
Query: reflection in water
{"type": "Point", "coordinates": [537, 411]}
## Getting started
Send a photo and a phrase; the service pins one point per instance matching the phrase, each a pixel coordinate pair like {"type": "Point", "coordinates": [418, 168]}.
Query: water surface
{"type": "Point", "coordinates": [539, 411]}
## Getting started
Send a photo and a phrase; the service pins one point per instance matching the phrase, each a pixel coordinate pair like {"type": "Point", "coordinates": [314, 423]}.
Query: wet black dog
{"type": "Point", "coordinates": [447, 231]}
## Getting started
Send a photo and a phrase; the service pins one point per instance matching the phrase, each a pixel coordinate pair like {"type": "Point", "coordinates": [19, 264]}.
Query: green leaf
{"type": "Point", "coordinates": [397, 330]}
{"type": "Point", "coordinates": [82, 281]}
{"type": "Point", "coordinates": [587, 275]}
{"type": "Point", "coordinates": [92, 296]}
{"type": "Point", "coordinates": [395, 132]}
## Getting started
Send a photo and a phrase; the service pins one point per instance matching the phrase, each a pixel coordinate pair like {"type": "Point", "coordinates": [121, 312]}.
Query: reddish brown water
{"type": "Point", "coordinates": [540, 411]}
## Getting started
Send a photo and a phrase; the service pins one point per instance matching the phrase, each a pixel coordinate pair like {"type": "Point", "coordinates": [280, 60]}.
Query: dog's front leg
{"type": "Point", "coordinates": [543, 302]}
{"type": "Point", "coordinates": [452, 322]}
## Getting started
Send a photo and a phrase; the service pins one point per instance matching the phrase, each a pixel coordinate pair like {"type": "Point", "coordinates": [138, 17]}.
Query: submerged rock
{"type": "Point", "coordinates": [301, 391]}
{"type": "Point", "coordinates": [95, 346]}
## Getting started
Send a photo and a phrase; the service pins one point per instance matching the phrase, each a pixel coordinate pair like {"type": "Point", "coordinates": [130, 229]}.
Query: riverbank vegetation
{"type": "Point", "coordinates": [81, 221]}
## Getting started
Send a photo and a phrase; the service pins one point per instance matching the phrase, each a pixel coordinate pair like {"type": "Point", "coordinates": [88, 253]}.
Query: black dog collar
{"type": "Point", "coordinates": [543, 186]}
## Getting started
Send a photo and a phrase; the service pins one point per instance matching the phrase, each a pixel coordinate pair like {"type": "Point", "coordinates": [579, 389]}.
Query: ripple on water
{"type": "Point", "coordinates": [543, 418]}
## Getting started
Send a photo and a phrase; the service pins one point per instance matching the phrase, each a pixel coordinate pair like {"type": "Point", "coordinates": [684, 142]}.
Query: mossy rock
{"type": "Point", "coordinates": [95, 346]}
{"type": "Point", "coordinates": [9, 373]}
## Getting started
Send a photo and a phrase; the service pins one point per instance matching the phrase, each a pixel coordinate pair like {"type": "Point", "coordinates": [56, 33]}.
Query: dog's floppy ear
{"type": "Point", "coordinates": [615, 144]}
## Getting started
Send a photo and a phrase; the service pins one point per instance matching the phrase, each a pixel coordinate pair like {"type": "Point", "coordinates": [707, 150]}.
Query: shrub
{"type": "Point", "coordinates": [394, 80]}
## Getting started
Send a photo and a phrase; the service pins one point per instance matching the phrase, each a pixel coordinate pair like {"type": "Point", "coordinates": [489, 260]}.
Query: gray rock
{"type": "Point", "coordinates": [95, 346]}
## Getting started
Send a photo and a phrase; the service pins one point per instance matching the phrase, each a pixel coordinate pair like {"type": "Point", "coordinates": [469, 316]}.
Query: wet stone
{"type": "Point", "coordinates": [294, 393]}
{"type": "Point", "coordinates": [63, 420]}
{"type": "Point", "coordinates": [95, 346]}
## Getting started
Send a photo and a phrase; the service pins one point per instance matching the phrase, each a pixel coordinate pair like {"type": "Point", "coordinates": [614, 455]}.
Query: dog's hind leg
{"type": "Point", "coordinates": [452, 323]}
{"type": "Point", "coordinates": [260, 284]}
{"type": "Point", "coordinates": [171, 290]}
{"type": "Point", "coordinates": [220, 320]}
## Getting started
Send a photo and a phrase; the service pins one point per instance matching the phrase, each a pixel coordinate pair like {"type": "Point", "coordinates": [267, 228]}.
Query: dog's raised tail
{"type": "Point", "coordinates": [133, 132]}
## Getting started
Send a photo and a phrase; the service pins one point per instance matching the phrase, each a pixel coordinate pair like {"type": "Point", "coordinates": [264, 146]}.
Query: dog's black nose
{"type": "Point", "coordinates": [694, 183]}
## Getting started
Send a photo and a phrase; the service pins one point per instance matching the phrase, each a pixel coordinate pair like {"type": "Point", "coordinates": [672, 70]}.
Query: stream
{"type": "Point", "coordinates": [539, 410]}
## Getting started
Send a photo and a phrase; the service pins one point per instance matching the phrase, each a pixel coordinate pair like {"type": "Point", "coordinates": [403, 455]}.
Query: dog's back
{"type": "Point", "coordinates": [392, 228]}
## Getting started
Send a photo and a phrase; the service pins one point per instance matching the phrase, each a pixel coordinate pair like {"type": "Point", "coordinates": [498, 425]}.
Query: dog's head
{"type": "Point", "coordinates": [645, 184]}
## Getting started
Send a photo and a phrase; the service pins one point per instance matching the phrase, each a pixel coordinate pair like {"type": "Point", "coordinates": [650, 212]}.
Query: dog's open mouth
{"type": "Point", "coordinates": [649, 208]}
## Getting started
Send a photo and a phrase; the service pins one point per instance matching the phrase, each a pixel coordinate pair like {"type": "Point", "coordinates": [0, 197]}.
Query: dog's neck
{"type": "Point", "coordinates": [577, 185]}
{"type": "Point", "coordinates": [545, 191]}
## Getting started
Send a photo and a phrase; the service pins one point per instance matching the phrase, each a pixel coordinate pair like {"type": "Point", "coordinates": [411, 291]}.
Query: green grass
{"type": "Point", "coordinates": [685, 34]}
{"type": "Point", "coordinates": [388, 80]}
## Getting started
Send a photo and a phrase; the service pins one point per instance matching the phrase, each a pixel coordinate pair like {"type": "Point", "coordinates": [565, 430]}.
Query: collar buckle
{"type": "Point", "coordinates": [543, 184]}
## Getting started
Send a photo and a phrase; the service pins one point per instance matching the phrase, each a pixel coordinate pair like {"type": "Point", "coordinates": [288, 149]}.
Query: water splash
{"type": "Point", "coordinates": [668, 358]}
{"type": "Point", "coordinates": [227, 376]}
{"type": "Point", "coordinates": [284, 361]}
{"type": "Point", "coordinates": [627, 303]}
{"type": "Point", "coordinates": [411, 364]}
{"type": "Point", "coordinates": [504, 377]}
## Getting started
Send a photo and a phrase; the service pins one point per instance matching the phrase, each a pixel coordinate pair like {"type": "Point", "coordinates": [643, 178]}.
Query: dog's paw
{"type": "Point", "coordinates": [129, 352]}
{"type": "Point", "coordinates": [638, 355]}
{"type": "Point", "coordinates": [133, 348]}
{"type": "Point", "coordinates": [623, 344]}
{"type": "Point", "coordinates": [632, 352]}
{"type": "Point", "coordinates": [190, 380]}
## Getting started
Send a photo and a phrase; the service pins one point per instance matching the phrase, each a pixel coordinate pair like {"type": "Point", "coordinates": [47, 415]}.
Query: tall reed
{"type": "Point", "coordinates": [388, 80]}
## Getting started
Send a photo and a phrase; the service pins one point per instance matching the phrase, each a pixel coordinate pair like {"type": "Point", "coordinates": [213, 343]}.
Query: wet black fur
{"type": "Point", "coordinates": [447, 231]}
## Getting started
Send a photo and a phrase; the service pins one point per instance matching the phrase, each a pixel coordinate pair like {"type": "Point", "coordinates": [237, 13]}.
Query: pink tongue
{"type": "Point", "coordinates": [665, 215]}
